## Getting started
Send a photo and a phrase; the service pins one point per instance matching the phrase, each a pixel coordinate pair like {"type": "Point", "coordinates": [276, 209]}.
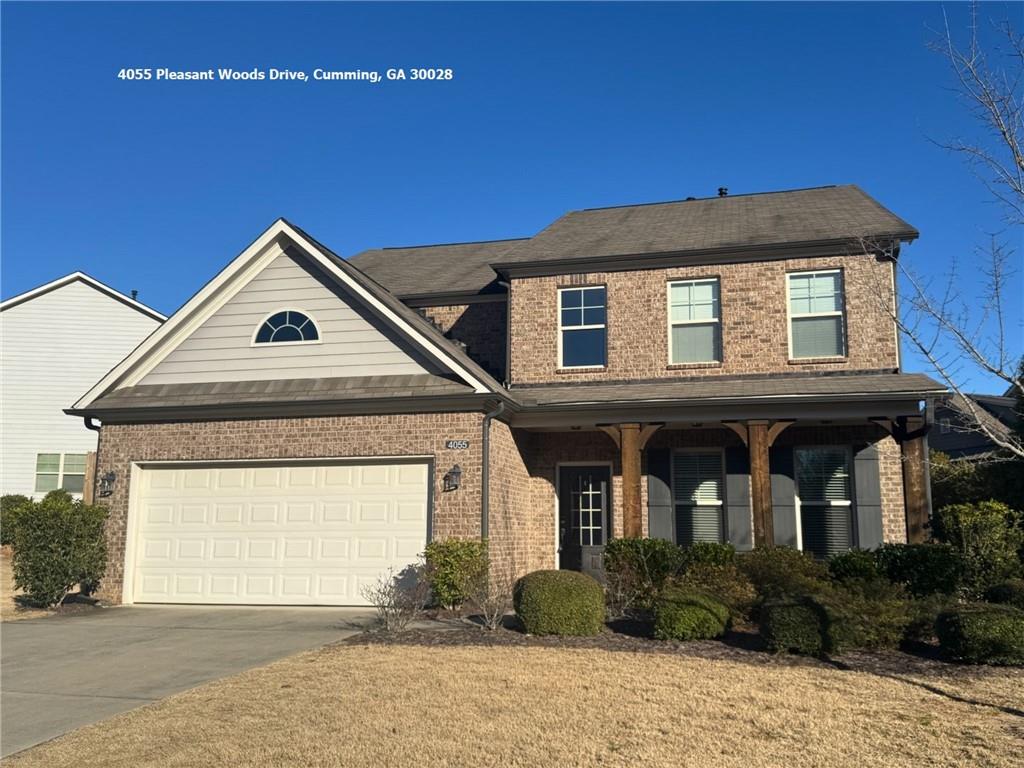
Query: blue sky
{"type": "Point", "coordinates": [156, 185]}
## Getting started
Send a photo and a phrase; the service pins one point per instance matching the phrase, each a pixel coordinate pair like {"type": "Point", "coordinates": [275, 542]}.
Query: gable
{"type": "Point", "coordinates": [352, 340]}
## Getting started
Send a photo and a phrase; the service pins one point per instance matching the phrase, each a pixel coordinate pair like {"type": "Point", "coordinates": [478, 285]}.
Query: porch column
{"type": "Point", "coordinates": [632, 521]}
{"type": "Point", "coordinates": [760, 484]}
{"type": "Point", "coordinates": [915, 488]}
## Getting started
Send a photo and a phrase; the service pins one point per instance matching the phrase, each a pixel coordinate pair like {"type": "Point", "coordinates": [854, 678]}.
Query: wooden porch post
{"type": "Point", "coordinates": [632, 520]}
{"type": "Point", "coordinates": [915, 488]}
{"type": "Point", "coordinates": [89, 487]}
{"type": "Point", "coordinates": [760, 484]}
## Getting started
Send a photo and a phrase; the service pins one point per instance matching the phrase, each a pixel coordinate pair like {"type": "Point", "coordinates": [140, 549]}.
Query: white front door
{"type": "Point", "coordinates": [265, 534]}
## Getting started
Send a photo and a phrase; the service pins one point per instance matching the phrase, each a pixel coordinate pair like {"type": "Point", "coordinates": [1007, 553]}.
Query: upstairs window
{"type": "Point", "coordinates": [826, 503]}
{"type": "Point", "coordinates": [816, 314]}
{"type": "Point", "coordinates": [582, 328]}
{"type": "Point", "coordinates": [65, 471]}
{"type": "Point", "coordinates": [695, 327]}
{"type": "Point", "coordinates": [287, 327]}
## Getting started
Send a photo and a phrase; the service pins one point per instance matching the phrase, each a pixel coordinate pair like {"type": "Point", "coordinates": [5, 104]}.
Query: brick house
{"type": "Point", "coordinates": [721, 369]}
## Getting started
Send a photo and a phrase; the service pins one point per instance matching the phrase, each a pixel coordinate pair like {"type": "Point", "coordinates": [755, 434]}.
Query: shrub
{"type": "Point", "coordinates": [58, 542]}
{"type": "Point", "coordinates": [982, 633]}
{"type": "Point", "coordinates": [12, 505]}
{"type": "Point", "coordinates": [559, 603]}
{"type": "Point", "coordinates": [925, 569]}
{"type": "Point", "coordinates": [855, 565]}
{"type": "Point", "coordinates": [794, 625]}
{"type": "Point", "coordinates": [988, 536]}
{"type": "Point", "coordinates": [922, 613]}
{"type": "Point", "coordinates": [681, 614]}
{"type": "Point", "coordinates": [778, 571]}
{"type": "Point", "coordinates": [707, 553]}
{"type": "Point", "coordinates": [453, 567]}
{"type": "Point", "coordinates": [491, 597]}
{"type": "Point", "coordinates": [726, 583]}
{"type": "Point", "coordinates": [866, 613]}
{"type": "Point", "coordinates": [398, 598]}
{"type": "Point", "coordinates": [636, 570]}
{"type": "Point", "coordinates": [1009, 592]}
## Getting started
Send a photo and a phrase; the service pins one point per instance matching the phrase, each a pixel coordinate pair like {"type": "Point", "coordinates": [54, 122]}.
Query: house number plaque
{"type": "Point", "coordinates": [456, 445]}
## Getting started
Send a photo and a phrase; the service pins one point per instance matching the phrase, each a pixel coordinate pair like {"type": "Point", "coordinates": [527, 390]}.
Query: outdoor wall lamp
{"type": "Point", "coordinates": [453, 478]}
{"type": "Point", "coordinates": [107, 484]}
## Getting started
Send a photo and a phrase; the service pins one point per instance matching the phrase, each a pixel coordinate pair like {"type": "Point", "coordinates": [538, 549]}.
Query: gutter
{"type": "Point", "coordinates": [485, 469]}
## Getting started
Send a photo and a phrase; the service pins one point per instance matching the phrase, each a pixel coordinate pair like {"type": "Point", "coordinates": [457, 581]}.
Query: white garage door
{"type": "Point", "coordinates": [296, 534]}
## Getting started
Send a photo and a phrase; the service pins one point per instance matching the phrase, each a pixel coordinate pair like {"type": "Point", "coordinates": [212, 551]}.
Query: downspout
{"type": "Point", "coordinates": [90, 424]}
{"type": "Point", "coordinates": [485, 470]}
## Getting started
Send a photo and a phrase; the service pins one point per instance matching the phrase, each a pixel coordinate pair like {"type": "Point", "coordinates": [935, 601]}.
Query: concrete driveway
{"type": "Point", "coordinates": [63, 672]}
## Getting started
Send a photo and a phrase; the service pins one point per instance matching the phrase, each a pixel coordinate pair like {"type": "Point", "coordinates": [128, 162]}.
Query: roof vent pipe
{"type": "Point", "coordinates": [135, 294]}
{"type": "Point", "coordinates": [723, 191]}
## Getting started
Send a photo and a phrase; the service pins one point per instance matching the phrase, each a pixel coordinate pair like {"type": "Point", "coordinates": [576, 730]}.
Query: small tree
{"type": "Point", "coordinates": [58, 543]}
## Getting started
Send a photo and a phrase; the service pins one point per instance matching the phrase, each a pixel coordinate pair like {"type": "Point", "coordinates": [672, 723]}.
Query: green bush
{"type": "Point", "coordinates": [867, 614]}
{"type": "Point", "coordinates": [1009, 592]}
{"type": "Point", "coordinates": [454, 566]}
{"type": "Point", "coordinates": [58, 543]}
{"type": "Point", "coordinates": [707, 553]}
{"type": "Point", "coordinates": [12, 505]}
{"type": "Point", "coordinates": [779, 571]}
{"type": "Point", "coordinates": [922, 612]}
{"type": "Point", "coordinates": [971, 482]}
{"type": "Point", "coordinates": [857, 564]}
{"type": "Point", "coordinates": [925, 569]}
{"type": "Point", "coordinates": [982, 633]}
{"type": "Point", "coordinates": [559, 603]}
{"type": "Point", "coordinates": [988, 536]}
{"type": "Point", "coordinates": [636, 570]}
{"type": "Point", "coordinates": [795, 625]}
{"type": "Point", "coordinates": [681, 614]}
{"type": "Point", "coordinates": [726, 583]}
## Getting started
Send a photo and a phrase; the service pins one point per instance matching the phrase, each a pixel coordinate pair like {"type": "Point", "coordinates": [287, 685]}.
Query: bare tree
{"type": "Point", "coordinates": [954, 332]}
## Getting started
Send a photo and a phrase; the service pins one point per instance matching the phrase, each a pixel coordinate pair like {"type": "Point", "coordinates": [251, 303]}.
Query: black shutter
{"type": "Point", "coordinates": [739, 519]}
{"type": "Point", "coordinates": [867, 496]}
{"type": "Point", "coordinates": [659, 494]}
{"type": "Point", "coordinates": [783, 495]}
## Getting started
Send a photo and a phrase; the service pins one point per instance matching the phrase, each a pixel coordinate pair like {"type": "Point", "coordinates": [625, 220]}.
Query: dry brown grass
{"type": "Point", "coordinates": [9, 609]}
{"type": "Point", "coordinates": [360, 705]}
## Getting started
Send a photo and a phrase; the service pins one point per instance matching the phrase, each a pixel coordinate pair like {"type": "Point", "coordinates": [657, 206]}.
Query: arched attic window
{"type": "Point", "coordinates": [288, 326]}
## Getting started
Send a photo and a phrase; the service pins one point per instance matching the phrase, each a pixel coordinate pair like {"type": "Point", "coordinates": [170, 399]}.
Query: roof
{"type": "Point", "coordinates": [92, 282]}
{"type": "Point", "coordinates": [911, 385]}
{"type": "Point", "coordinates": [806, 216]}
{"type": "Point", "coordinates": [432, 269]}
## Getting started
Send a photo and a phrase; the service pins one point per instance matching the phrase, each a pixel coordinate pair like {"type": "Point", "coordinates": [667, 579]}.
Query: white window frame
{"type": "Point", "coordinates": [60, 472]}
{"type": "Point", "coordinates": [721, 503]}
{"type": "Point", "coordinates": [717, 320]}
{"type": "Point", "coordinates": [840, 313]}
{"type": "Point", "coordinates": [272, 344]}
{"type": "Point", "coordinates": [798, 502]}
{"type": "Point", "coordinates": [593, 327]}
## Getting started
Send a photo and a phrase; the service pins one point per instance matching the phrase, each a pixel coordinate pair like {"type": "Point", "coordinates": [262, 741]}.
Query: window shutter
{"type": "Point", "coordinates": [780, 460]}
{"type": "Point", "coordinates": [737, 497]}
{"type": "Point", "coordinates": [659, 494]}
{"type": "Point", "coordinates": [868, 496]}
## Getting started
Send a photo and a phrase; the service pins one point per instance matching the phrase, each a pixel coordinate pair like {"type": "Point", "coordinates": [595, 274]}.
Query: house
{"type": "Point", "coordinates": [719, 369]}
{"type": "Point", "coordinates": [56, 341]}
{"type": "Point", "coordinates": [957, 433]}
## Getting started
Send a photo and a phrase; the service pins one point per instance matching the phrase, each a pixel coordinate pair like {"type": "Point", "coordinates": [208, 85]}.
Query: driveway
{"type": "Point", "coordinates": [63, 672]}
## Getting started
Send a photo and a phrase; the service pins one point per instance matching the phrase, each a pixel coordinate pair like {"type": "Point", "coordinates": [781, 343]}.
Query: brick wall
{"type": "Point", "coordinates": [456, 513]}
{"type": "Point", "coordinates": [481, 327]}
{"type": "Point", "coordinates": [753, 314]}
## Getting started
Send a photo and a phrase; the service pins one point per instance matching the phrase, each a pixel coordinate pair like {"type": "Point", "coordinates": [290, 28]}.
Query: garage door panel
{"type": "Point", "coordinates": [310, 535]}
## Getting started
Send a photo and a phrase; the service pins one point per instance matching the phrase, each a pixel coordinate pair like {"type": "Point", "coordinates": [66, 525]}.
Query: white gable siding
{"type": "Point", "coordinates": [53, 348]}
{"type": "Point", "coordinates": [221, 348]}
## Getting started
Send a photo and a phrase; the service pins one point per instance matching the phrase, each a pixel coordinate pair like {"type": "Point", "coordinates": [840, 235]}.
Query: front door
{"type": "Point", "coordinates": [583, 525]}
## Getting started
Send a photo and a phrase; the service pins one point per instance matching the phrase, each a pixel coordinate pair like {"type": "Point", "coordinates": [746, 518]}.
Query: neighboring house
{"type": "Point", "coordinates": [705, 370]}
{"type": "Point", "coordinates": [957, 433]}
{"type": "Point", "coordinates": [55, 341]}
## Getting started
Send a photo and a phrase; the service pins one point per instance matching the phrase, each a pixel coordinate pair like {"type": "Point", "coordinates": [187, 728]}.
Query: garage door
{"type": "Point", "coordinates": [294, 534]}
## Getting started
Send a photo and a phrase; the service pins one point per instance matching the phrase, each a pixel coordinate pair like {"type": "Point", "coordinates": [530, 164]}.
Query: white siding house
{"type": "Point", "coordinates": [56, 342]}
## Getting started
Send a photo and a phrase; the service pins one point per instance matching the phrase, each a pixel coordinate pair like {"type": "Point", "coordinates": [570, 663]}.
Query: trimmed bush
{"type": "Point", "coordinates": [58, 542]}
{"type": "Point", "coordinates": [988, 536]}
{"type": "Point", "coordinates": [454, 566]}
{"type": "Point", "coordinates": [982, 634]}
{"type": "Point", "coordinates": [707, 553]}
{"type": "Point", "coordinates": [559, 603]}
{"type": "Point", "coordinates": [681, 614]}
{"type": "Point", "coordinates": [12, 506]}
{"type": "Point", "coordinates": [855, 565]}
{"type": "Point", "coordinates": [924, 569]}
{"type": "Point", "coordinates": [780, 571]}
{"type": "Point", "coordinates": [923, 611]}
{"type": "Point", "coordinates": [795, 625]}
{"type": "Point", "coordinates": [726, 583]}
{"type": "Point", "coordinates": [636, 570]}
{"type": "Point", "coordinates": [1009, 592]}
{"type": "Point", "coordinates": [866, 613]}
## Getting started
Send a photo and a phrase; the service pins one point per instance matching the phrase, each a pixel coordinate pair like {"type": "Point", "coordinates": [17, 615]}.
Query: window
{"type": "Point", "coordinates": [816, 314]}
{"type": "Point", "coordinates": [64, 471]}
{"type": "Point", "coordinates": [287, 326]}
{"type": "Point", "coordinates": [694, 322]}
{"type": "Point", "coordinates": [581, 327]}
{"type": "Point", "coordinates": [944, 426]}
{"type": "Point", "coordinates": [823, 492]}
{"type": "Point", "coordinates": [697, 494]}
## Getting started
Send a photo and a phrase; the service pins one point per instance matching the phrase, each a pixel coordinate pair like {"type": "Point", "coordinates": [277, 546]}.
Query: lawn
{"type": "Point", "coordinates": [412, 705]}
